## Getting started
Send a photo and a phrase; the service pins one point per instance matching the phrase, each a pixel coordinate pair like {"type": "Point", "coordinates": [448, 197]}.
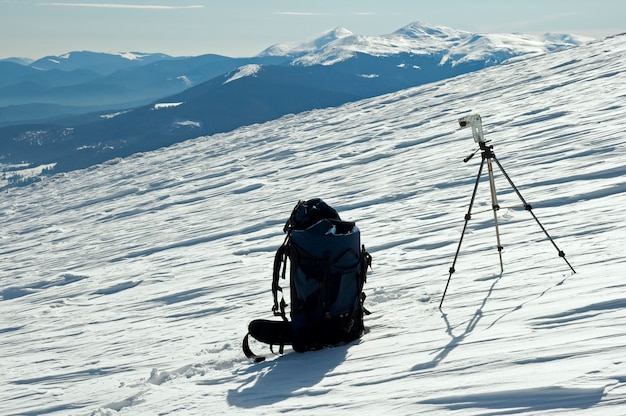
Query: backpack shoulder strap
{"type": "Point", "coordinates": [366, 263]}
{"type": "Point", "coordinates": [280, 267]}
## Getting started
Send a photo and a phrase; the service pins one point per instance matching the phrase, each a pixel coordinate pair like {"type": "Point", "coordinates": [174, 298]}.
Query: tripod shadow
{"type": "Point", "coordinates": [521, 305]}
{"type": "Point", "coordinates": [456, 339]}
{"type": "Point", "coordinates": [273, 381]}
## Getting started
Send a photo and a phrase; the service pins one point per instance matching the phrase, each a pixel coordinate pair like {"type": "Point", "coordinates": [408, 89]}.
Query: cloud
{"type": "Point", "coordinates": [300, 13]}
{"type": "Point", "coordinates": [120, 6]}
{"type": "Point", "coordinates": [320, 14]}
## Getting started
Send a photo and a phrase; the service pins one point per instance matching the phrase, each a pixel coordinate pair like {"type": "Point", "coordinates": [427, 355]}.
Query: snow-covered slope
{"type": "Point", "coordinates": [126, 288]}
{"type": "Point", "coordinates": [455, 46]}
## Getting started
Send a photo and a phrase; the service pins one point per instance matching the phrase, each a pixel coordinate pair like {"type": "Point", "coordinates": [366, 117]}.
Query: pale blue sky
{"type": "Point", "coordinates": [238, 28]}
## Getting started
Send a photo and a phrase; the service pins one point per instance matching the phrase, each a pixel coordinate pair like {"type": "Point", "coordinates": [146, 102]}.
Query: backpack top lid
{"type": "Point", "coordinates": [308, 213]}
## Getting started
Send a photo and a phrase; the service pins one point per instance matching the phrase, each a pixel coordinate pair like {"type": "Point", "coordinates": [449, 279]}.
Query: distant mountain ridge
{"type": "Point", "coordinates": [420, 38]}
{"type": "Point", "coordinates": [117, 83]}
{"type": "Point", "coordinates": [125, 80]}
{"type": "Point", "coordinates": [102, 63]}
{"type": "Point", "coordinates": [154, 100]}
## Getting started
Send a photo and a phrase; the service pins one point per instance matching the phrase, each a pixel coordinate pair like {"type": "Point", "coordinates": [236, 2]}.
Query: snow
{"type": "Point", "coordinates": [420, 38]}
{"type": "Point", "coordinates": [131, 56]}
{"type": "Point", "coordinates": [189, 123]}
{"type": "Point", "coordinates": [113, 115]}
{"type": "Point", "coordinates": [311, 45]}
{"type": "Point", "coordinates": [185, 80]}
{"type": "Point", "coordinates": [244, 71]}
{"type": "Point", "coordinates": [127, 287]}
{"type": "Point", "coordinates": [159, 106]}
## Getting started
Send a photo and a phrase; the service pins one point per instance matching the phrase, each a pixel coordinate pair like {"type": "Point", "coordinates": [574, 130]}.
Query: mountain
{"type": "Point", "coordinates": [101, 81]}
{"type": "Point", "coordinates": [128, 287]}
{"type": "Point", "coordinates": [297, 49]}
{"type": "Point", "coordinates": [102, 63]}
{"type": "Point", "coordinates": [18, 60]}
{"type": "Point", "coordinates": [336, 68]}
{"type": "Point", "coordinates": [422, 39]}
{"type": "Point", "coordinates": [215, 106]}
{"type": "Point", "coordinates": [76, 78]}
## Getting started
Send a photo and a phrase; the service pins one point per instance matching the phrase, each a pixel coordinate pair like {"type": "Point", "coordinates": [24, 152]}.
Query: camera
{"type": "Point", "coordinates": [475, 122]}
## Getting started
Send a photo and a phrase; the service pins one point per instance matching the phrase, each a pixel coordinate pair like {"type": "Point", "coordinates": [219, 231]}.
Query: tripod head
{"type": "Point", "coordinates": [475, 122]}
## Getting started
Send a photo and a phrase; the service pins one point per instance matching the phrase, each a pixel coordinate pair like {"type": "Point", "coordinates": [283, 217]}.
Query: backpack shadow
{"type": "Point", "coordinates": [273, 381]}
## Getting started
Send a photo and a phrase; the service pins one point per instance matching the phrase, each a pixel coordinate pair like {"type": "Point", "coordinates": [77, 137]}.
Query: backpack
{"type": "Point", "coordinates": [328, 268]}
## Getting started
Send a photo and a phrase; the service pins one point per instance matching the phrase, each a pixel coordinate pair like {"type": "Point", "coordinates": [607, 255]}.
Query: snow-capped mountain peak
{"type": "Point", "coordinates": [311, 45]}
{"type": "Point", "coordinates": [332, 35]}
{"type": "Point", "coordinates": [452, 45]}
{"type": "Point", "coordinates": [420, 30]}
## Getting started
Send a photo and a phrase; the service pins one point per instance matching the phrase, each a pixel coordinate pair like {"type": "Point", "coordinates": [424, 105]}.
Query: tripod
{"type": "Point", "coordinates": [487, 155]}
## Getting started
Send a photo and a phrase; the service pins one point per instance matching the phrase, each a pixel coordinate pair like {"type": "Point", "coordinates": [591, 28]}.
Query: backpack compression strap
{"type": "Point", "coordinates": [259, 358]}
{"type": "Point", "coordinates": [248, 352]}
{"type": "Point", "coordinates": [274, 333]}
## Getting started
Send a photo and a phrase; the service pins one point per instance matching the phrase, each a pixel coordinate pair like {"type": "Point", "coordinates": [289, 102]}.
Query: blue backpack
{"type": "Point", "coordinates": [328, 267]}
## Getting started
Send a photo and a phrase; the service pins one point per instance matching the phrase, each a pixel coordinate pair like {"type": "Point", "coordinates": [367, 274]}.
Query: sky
{"type": "Point", "coordinates": [241, 28]}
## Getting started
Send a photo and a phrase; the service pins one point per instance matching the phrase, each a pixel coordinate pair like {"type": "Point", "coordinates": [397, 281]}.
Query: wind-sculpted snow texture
{"type": "Point", "coordinates": [126, 288]}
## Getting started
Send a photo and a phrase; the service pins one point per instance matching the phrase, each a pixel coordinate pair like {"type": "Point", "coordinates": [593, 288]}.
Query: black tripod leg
{"type": "Point", "coordinates": [467, 218]}
{"type": "Point", "coordinates": [495, 207]}
{"type": "Point", "coordinates": [529, 208]}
